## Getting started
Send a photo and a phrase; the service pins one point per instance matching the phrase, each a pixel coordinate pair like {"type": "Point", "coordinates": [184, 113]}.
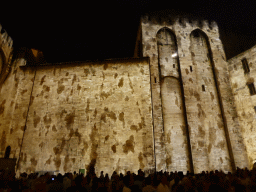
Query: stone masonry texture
{"type": "Point", "coordinates": [245, 102]}
{"type": "Point", "coordinates": [78, 115]}
{"type": "Point", "coordinates": [178, 105]}
{"type": "Point", "coordinates": [213, 135]}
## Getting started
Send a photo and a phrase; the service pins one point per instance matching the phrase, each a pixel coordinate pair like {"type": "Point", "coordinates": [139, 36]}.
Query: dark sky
{"type": "Point", "coordinates": [107, 29]}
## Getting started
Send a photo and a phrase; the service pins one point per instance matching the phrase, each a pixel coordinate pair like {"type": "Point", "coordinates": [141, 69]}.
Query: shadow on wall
{"type": "Point", "coordinates": [91, 167]}
{"type": "Point", "coordinates": [7, 152]}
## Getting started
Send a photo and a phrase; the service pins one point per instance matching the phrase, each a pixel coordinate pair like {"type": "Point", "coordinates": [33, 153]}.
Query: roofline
{"type": "Point", "coordinates": [90, 61]}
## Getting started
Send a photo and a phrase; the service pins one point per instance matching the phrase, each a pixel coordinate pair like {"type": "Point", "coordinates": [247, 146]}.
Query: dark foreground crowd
{"type": "Point", "coordinates": [243, 180]}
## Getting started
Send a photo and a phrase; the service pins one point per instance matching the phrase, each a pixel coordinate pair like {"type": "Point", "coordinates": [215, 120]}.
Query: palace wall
{"type": "Point", "coordinates": [245, 102]}
{"type": "Point", "coordinates": [177, 106]}
{"type": "Point", "coordinates": [78, 114]}
{"type": "Point", "coordinates": [212, 137]}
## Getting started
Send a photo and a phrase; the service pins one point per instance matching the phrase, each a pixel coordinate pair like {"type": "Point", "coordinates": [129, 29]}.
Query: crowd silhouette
{"type": "Point", "coordinates": [242, 180]}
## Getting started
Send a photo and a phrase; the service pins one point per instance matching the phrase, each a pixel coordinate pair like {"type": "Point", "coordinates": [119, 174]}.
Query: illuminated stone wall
{"type": "Point", "coordinates": [212, 137]}
{"type": "Point", "coordinates": [179, 107]}
{"type": "Point", "coordinates": [14, 103]}
{"type": "Point", "coordinates": [96, 113]}
{"type": "Point", "coordinates": [244, 101]}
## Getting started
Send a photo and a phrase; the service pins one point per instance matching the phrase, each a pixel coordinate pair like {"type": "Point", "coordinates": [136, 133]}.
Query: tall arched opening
{"type": "Point", "coordinates": [210, 144]}
{"type": "Point", "coordinates": [174, 120]}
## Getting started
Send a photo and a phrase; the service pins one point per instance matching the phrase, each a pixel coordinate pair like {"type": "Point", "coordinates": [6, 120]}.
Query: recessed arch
{"type": "Point", "coordinates": [197, 30]}
{"type": "Point", "coordinates": [175, 132]}
{"type": "Point", "coordinates": [166, 39]}
{"type": "Point", "coordinates": [168, 62]}
{"type": "Point", "coordinates": [172, 77]}
{"type": "Point", "coordinates": [174, 122]}
{"type": "Point", "coordinates": [197, 34]}
{"type": "Point", "coordinates": [210, 118]}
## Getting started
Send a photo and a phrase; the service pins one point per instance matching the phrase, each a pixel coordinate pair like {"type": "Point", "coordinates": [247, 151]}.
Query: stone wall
{"type": "Point", "coordinates": [244, 101]}
{"type": "Point", "coordinates": [212, 130]}
{"type": "Point", "coordinates": [79, 114]}
{"type": "Point", "coordinates": [14, 102]}
{"type": "Point", "coordinates": [181, 108]}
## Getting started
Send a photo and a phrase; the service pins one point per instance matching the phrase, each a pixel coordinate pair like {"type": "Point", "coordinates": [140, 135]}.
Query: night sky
{"type": "Point", "coordinates": [93, 30]}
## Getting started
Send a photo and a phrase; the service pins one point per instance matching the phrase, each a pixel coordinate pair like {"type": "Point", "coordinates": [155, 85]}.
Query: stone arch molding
{"type": "Point", "coordinates": [167, 53]}
{"type": "Point", "coordinates": [199, 32]}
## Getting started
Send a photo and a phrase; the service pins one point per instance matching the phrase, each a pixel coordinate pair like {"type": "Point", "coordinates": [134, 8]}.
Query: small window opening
{"type": "Point", "coordinates": [255, 108]}
{"type": "Point", "coordinates": [155, 79]}
{"type": "Point", "coordinates": [245, 65]}
{"type": "Point", "coordinates": [203, 87]}
{"type": "Point", "coordinates": [191, 69]}
{"type": "Point", "coordinates": [173, 65]}
{"type": "Point", "coordinates": [252, 89]}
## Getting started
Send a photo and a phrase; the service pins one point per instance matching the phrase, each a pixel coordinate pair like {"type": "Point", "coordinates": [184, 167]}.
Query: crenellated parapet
{"type": "Point", "coordinates": [6, 49]}
{"type": "Point", "coordinates": [182, 21]}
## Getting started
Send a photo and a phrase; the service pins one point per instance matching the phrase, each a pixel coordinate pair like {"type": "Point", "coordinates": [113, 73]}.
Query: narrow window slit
{"type": "Point", "coordinates": [203, 87]}
{"type": "Point", "coordinates": [191, 69]}
{"type": "Point", "coordinates": [251, 89]}
{"type": "Point", "coordinates": [155, 79]}
{"type": "Point", "coordinates": [173, 65]}
{"type": "Point", "coordinates": [245, 65]}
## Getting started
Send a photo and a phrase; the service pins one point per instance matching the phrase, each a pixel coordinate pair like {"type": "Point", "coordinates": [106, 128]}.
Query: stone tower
{"type": "Point", "coordinates": [195, 122]}
{"type": "Point", "coordinates": [5, 54]}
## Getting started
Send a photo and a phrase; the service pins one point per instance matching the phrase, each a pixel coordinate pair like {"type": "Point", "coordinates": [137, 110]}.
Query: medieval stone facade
{"type": "Point", "coordinates": [242, 74]}
{"type": "Point", "coordinates": [178, 105]}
